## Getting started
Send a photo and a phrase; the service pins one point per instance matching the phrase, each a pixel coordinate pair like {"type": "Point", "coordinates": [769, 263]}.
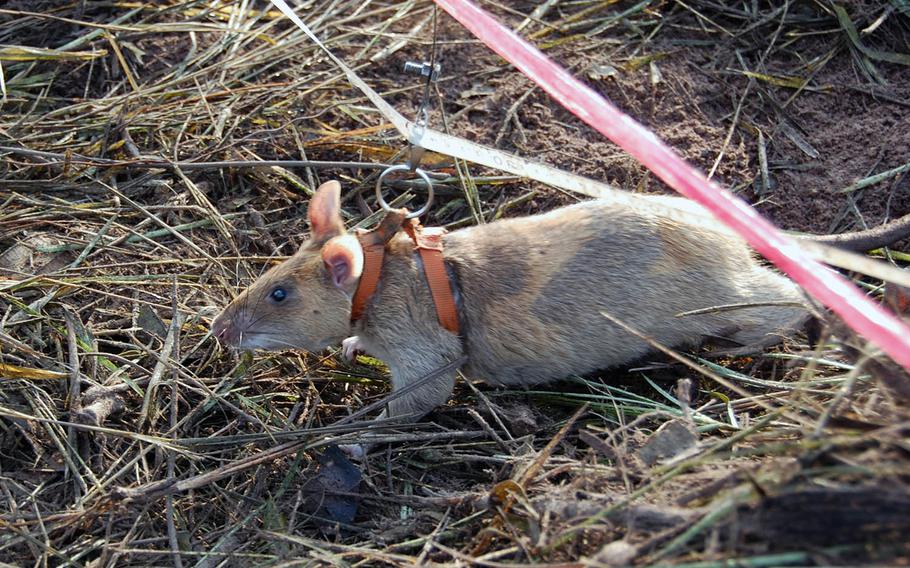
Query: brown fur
{"type": "Point", "coordinates": [532, 291]}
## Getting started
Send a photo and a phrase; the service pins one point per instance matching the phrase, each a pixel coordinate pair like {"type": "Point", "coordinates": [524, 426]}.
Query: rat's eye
{"type": "Point", "coordinates": [278, 294]}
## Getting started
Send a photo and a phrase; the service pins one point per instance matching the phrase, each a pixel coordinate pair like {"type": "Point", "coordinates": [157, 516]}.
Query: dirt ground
{"type": "Point", "coordinates": [129, 437]}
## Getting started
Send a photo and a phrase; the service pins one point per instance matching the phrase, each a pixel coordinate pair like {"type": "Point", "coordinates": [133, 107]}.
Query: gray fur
{"type": "Point", "coordinates": [532, 292]}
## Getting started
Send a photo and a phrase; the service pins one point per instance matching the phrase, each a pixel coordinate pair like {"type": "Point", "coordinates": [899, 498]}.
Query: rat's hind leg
{"type": "Point", "coordinates": [757, 334]}
{"type": "Point", "coordinates": [780, 310]}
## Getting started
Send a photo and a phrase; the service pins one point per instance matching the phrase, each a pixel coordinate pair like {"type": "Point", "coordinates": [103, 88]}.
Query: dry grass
{"type": "Point", "coordinates": [128, 437]}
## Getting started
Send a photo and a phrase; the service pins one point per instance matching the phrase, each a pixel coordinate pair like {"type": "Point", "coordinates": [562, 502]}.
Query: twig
{"type": "Point", "coordinates": [147, 164]}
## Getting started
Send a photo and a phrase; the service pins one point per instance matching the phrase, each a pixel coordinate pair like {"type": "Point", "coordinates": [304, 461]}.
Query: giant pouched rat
{"type": "Point", "coordinates": [530, 291]}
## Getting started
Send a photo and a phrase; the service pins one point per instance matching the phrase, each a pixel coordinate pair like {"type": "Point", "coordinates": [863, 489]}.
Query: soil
{"type": "Point", "coordinates": [845, 133]}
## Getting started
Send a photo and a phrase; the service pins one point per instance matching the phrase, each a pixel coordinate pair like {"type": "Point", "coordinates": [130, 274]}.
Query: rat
{"type": "Point", "coordinates": [530, 293]}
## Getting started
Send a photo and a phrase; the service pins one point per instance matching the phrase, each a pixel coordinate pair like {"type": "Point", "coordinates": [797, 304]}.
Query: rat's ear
{"type": "Point", "coordinates": [343, 258]}
{"type": "Point", "coordinates": [325, 212]}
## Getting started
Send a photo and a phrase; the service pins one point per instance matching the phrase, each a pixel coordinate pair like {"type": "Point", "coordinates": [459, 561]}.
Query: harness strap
{"type": "Point", "coordinates": [373, 244]}
{"type": "Point", "coordinates": [428, 243]}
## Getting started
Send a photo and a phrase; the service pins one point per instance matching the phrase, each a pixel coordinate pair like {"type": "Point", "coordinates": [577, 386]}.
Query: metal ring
{"type": "Point", "coordinates": [420, 173]}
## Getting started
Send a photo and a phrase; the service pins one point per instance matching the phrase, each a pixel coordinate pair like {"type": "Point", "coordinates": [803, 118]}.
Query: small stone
{"type": "Point", "coordinates": [616, 553]}
{"type": "Point", "coordinates": [671, 439]}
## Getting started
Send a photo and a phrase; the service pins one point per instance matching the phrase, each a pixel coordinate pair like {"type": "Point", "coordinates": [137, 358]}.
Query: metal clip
{"type": "Point", "coordinates": [416, 151]}
{"type": "Point", "coordinates": [431, 72]}
{"type": "Point", "coordinates": [425, 69]}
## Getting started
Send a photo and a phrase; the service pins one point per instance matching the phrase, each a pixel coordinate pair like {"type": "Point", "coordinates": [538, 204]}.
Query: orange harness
{"type": "Point", "coordinates": [428, 243]}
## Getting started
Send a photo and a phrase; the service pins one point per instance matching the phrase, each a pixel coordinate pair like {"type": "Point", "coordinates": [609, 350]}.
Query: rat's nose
{"type": "Point", "coordinates": [221, 328]}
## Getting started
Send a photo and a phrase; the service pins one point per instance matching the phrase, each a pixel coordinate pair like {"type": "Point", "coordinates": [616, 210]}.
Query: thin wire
{"type": "Point", "coordinates": [424, 112]}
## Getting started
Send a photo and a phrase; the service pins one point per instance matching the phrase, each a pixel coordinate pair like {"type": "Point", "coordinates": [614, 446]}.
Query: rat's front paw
{"type": "Point", "coordinates": [350, 347]}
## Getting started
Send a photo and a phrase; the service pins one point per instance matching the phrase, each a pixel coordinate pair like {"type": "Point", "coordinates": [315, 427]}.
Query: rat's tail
{"type": "Point", "coordinates": [870, 239]}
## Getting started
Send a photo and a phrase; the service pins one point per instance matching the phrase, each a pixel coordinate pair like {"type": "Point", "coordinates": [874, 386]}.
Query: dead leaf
{"type": "Point", "coordinates": [8, 371]}
{"type": "Point", "coordinates": [331, 493]}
